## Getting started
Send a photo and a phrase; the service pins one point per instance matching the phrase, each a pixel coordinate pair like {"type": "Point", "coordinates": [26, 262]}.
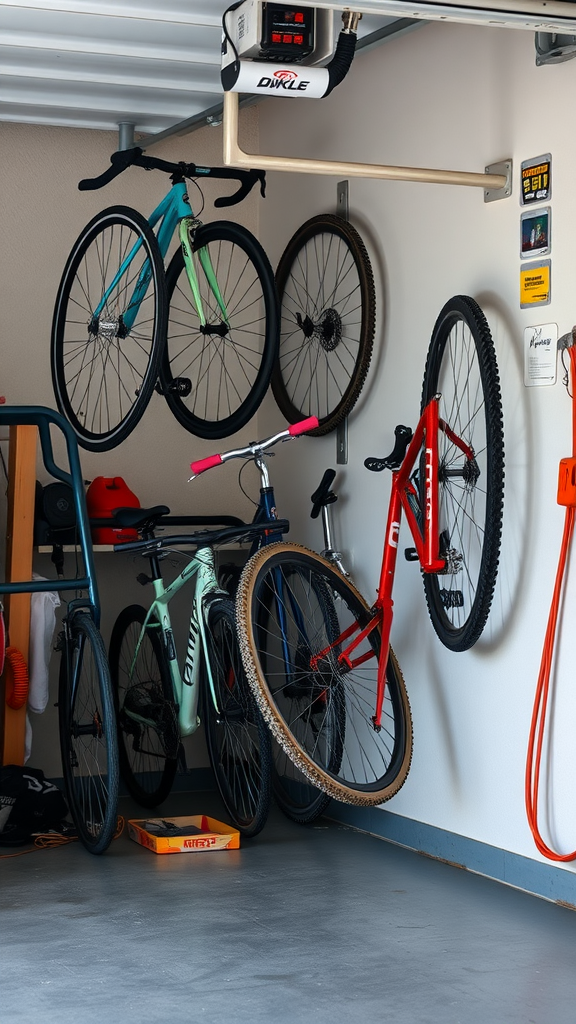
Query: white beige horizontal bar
{"type": "Point", "coordinates": [236, 157]}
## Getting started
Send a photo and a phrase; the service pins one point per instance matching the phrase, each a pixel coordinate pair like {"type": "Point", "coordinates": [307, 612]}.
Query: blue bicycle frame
{"type": "Point", "coordinates": [174, 211]}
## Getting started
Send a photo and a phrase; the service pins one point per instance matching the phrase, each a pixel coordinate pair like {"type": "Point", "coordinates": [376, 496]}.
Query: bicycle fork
{"type": "Point", "coordinates": [187, 229]}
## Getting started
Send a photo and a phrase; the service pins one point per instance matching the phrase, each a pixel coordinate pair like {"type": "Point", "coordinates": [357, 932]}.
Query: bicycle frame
{"type": "Point", "coordinates": [423, 521]}
{"type": "Point", "coordinates": [186, 685]}
{"type": "Point", "coordinates": [173, 211]}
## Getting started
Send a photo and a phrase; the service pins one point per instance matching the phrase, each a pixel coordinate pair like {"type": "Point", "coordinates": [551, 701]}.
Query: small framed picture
{"type": "Point", "coordinates": [536, 180]}
{"type": "Point", "coordinates": [535, 284]}
{"type": "Point", "coordinates": [535, 228]}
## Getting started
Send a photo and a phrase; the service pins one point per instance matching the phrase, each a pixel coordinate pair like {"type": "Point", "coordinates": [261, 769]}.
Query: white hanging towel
{"type": "Point", "coordinates": [43, 607]}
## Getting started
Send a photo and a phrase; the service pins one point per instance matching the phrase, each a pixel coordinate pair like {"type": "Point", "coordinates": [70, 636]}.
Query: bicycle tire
{"type": "Point", "coordinates": [104, 372]}
{"type": "Point", "coordinates": [227, 367]}
{"type": "Point", "coordinates": [236, 735]}
{"type": "Point", "coordinates": [145, 765]}
{"type": "Point", "coordinates": [373, 765]}
{"type": "Point", "coordinates": [297, 798]}
{"type": "Point", "coordinates": [88, 733]}
{"type": "Point", "coordinates": [326, 330]}
{"type": "Point", "coordinates": [461, 366]}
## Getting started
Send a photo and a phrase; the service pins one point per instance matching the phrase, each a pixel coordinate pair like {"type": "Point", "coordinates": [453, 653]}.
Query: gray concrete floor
{"type": "Point", "coordinates": [315, 924]}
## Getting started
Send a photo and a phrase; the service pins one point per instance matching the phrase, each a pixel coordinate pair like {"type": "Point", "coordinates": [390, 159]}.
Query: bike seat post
{"type": "Point", "coordinates": [260, 461]}
{"type": "Point", "coordinates": [329, 551]}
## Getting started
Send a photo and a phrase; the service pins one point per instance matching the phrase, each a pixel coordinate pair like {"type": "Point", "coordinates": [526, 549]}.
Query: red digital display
{"type": "Point", "coordinates": [287, 32]}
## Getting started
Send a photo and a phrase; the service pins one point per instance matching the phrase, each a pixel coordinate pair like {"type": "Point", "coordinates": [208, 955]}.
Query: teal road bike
{"type": "Point", "coordinates": [157, 704]}
{"type": "Point", "coordinates": [204, 333]}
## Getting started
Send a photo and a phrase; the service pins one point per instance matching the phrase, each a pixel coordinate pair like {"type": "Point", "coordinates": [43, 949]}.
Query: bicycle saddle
{"type": "Point", "coordinates": [394, 460]}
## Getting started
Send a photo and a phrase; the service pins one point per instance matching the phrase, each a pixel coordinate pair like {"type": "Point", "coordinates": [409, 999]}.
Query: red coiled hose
{"type": "Point", "coordinates": [16, 679]}
{"type": "Point", "coordinates": [539, 713]}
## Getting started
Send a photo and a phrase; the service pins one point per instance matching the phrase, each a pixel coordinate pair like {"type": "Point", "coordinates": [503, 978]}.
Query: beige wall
{"type": "Point", "coordinates": [41, 214]}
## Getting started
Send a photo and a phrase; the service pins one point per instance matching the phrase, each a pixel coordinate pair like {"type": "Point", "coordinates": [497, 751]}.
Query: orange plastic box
{"type": "Point", "coordinates": [205, 834]}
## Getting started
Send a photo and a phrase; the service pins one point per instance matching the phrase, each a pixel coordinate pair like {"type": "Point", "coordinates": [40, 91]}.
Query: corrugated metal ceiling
{"type": "Point", "coordinates": [156, 63]}
{"type": "Point", "coordinates": [96, 63]}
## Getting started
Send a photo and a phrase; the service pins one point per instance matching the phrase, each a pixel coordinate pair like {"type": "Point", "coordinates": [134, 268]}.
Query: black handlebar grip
{"type": "Point", "coordinates": [247, 185]}
{"type": "Point", "coordinates": [119, 161]}
{"type": "Point", "coordinates": [323, 495]}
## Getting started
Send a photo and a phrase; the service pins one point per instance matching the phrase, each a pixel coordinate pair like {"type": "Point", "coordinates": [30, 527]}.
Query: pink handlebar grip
{"type": "Point", "coordinates": [204, 464]}
{"type": "Point", "coordinates": [300, 428]}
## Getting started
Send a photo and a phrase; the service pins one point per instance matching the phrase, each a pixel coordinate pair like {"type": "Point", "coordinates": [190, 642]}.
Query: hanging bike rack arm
{"type": "Point", "coordinates": [234, 156]}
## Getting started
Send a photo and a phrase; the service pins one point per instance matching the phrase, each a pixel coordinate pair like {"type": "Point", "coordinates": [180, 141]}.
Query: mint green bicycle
{"type": "Point", "coordinates": [157, 704]}
{"type": "Point", "coordinates": [204, 334]}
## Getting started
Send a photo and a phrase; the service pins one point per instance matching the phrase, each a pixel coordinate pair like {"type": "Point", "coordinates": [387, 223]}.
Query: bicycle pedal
{"type": "Point", "coordinates": [411, 555]}
{"type": "Point", "coordinates": [180, 386]}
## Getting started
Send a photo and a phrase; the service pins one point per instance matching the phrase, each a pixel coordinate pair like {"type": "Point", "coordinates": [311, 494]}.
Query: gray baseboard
{"type": "Point", "coordinates": [546, 880]}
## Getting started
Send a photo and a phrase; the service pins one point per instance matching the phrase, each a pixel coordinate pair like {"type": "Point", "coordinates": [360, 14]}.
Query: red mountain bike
{"type": "Point", "coordinates": [316, 655]}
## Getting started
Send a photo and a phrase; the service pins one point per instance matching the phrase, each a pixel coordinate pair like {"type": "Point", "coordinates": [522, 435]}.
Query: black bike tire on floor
{"type": "Point", "coordinates": [134, 616]}
{"type": "Point", "coordinates": [303, 805]}
{"type": "Point", "coordinates": [348, 790]}
{"type": "Point", "coordinates": [72, 719]}
{"type": "Point", "coordinates": [297, 798]}
{"type": "Point", "coordinates": [239, 720]}
{"type": "Point", "coordinates": [142, 386]}
{"type": "Point", "coordinates": [213, 429]}
{"type": "Point", "coordinates": [463, 309]}
{"type": "Point", "coordinates": [339, 228]}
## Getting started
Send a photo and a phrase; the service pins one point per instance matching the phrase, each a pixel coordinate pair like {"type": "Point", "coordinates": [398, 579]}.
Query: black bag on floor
{"type": "Point", "coordinates": [28, 803]}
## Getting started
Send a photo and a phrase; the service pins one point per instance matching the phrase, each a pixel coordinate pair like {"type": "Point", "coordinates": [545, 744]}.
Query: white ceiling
{"type": "Point", "coordinates": [156, 63]}
{"type": "Point", "coordinates": [95, 63]}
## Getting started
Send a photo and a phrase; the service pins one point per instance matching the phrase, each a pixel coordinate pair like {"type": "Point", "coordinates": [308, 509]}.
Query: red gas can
{"type": "Point", "coordinates": [102, 497]}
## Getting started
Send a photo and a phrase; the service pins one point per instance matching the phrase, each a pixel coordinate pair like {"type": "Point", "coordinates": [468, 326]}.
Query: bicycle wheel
{"type": "Point", "coordinates": [295, 670]}
{"type": "Point", "coordinates": [297, 798]}
{"type": "Point", "coordinates": [105, 360]}
{"type": "Point", "coordinates": [148, 734]}
{"type": "Point", "coordinates": [327, 318]}
{"type": "Point", "coordinates": [88, 733]}
{"type": "Point", "coordinates": [461, 366]}
{"type": "Point", "coordinates": [225, 363]}
{"type": "Point", "coordinates": [237, 738]}
{"type": "Point", "coordinates": [295, 795]}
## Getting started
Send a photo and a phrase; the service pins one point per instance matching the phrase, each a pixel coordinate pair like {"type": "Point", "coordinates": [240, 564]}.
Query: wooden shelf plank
{"type": "Point", "coordinates": [19, 547]}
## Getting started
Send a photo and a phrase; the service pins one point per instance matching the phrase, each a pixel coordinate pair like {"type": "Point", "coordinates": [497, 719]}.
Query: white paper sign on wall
{"type": "Point", "coordinates": [540, 348]}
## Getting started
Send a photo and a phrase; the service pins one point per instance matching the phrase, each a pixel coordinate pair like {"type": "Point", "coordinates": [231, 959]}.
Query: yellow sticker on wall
{"type": "Point", "coordinates": [535, 284]}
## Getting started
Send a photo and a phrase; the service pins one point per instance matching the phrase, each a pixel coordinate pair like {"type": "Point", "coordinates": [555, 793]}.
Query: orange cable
{"type": "Point", "coordinates": [540, 710]}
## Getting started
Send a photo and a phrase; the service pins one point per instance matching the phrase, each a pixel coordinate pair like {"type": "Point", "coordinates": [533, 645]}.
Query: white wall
{"type": "Point", "coordinates": [456, 97]}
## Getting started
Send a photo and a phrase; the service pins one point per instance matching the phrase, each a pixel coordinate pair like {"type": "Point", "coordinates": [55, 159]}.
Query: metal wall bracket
{"type": "Point", "coordinates": [342, 442]}
{"type": "Point", "coordinates": [342, 200]}
{"type": "Point", "coordinates": [492, 194]}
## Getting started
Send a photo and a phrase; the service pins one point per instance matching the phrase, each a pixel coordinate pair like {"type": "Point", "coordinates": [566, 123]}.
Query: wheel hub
{"type": "Point", "coordinates": [327, 329]}
{"type": "Point", "coordinates": [107, 329]}
{"type": "Point", "coordinates": [220, 329]}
